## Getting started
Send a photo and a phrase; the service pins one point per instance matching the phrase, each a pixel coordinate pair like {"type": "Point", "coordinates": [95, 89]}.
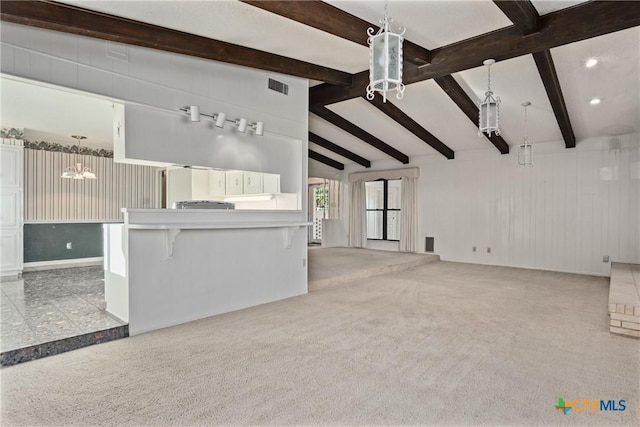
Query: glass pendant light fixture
{"type": "Point", "coordinates": [525, 150]}
{"type": "Point", "coordinates": [490, 107]}
{"type": "Point", "coordinates": [77, 171]}
{"type": "Point", "coordinates": [385, 59]}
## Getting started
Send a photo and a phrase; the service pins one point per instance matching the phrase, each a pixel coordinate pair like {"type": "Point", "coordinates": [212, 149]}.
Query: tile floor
{"type": "Point", "coordinates": [51, 305]}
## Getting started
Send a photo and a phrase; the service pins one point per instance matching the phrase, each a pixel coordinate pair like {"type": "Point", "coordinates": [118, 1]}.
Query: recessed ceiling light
{"type": "Point", "coordinates": [591, 62]}
{"type": "Point", "coordinates": [595, 101]}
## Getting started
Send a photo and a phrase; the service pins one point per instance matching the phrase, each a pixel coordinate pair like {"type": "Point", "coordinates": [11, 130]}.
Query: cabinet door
{"type": "Point", "coordinates": [217, 183]}
{"type": "Point", "coordinates": [11, 166]}
{"type": "Point", "coordinates": [199, 184]}
{"type": "Point", "coordinates": [10, 209]}
{"type": "Point", "coordinates": [11, 251]}
{"type": "Point", "coordinates": [271, 183]}
{"type": "Point", "coordinates": [178, 185]}
{"type": "Point", "coordinates": [252, 183]}
{"type": "Point", "coordinates": [234, 181]}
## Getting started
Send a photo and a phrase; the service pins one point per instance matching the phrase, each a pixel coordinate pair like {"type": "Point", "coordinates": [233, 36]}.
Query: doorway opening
{"type": "Point", "coordinates": [324, 204]}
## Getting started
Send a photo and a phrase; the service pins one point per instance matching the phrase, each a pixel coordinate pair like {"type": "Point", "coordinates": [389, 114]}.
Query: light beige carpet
{"type": "Point", "coordinates": [441, 344]}
{"type": "Point", "coordinates": [330, 267]}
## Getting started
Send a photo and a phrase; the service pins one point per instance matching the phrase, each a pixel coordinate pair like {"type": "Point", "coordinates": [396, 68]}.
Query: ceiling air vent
{"type": "Point", "coordinates": [279, 86]}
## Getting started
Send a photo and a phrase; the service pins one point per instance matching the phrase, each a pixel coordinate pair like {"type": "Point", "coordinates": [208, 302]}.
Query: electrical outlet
{"type": "Point", "coordinates": [69, 246]}
{"type": "Point", "coordinates": [605, 258]}
{"type": "Point", "coordinates": [488, 250]}
{"type": "Point", "coordinates": [473, 249]}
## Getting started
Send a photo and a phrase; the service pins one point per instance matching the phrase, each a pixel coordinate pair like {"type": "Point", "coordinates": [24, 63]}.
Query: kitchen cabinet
{"type": "Point", "coordinates": [217, 183]}
{"type": "Point", "coordinates": [234, 182]}
{"type": "Point", "coordinates": [270, 183]}
{"type": "Point", "coordinates": [252, 183]}
{"type": "Point", "coordinates": [187, 184]}
{"type": "Point", "coordinates": [11, 212]}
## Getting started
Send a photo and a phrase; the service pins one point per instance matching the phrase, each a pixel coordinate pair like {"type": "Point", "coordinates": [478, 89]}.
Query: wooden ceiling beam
{"type": "Point", "coordinates": [326, 160]}
{"type": "Point", "coordinates": [75, 20]}
{"type": "Point", "coordinates": [328, 18]}
{"type": "Point", "coordinates": [584, 21]}
{"type": "Point", "coordinates": [412, 126]}
{"type": "Point", "coordinates": [525, 17]}
{"type": "Point", "coordinates": [359, 133]}
{"type": "Point", "coordinates": [547, 71]}
{"type": "Point", "coordinates": [522, 13]}
{"type": "Point", "coordinates": [469, 108]}
{"type": "Point", "coordinates": [317, 139]}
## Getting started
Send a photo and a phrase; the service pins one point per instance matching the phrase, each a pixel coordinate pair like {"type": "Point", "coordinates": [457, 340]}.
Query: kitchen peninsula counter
{"type": "Point", "coordinates": [164, 267]}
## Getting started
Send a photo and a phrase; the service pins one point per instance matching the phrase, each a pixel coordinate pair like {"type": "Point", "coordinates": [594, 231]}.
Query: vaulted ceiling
{"type": "Point", "coordinates": [540, 47]}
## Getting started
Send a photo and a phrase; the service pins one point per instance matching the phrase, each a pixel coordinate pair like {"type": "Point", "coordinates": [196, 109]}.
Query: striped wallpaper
{"type": "Point", "coordinates": [49, 198]}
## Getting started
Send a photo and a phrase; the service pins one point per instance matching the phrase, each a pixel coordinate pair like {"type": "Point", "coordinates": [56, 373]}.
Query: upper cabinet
{"type": "Point", "coordinates": [252, 183]}
{"type": "Point", "coordinates": [270, 183]}
{"type": "Point", "coordinates": [11, 166]}
{"type": "Point", "coordinates": [11, 212]}
{"type": "Point", "coordinates": [217, 183]}
{"type": "Point", "coordinates": [200, 184]}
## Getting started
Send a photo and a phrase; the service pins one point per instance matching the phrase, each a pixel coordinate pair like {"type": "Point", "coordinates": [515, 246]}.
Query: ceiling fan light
{"type": "Point", "coordinates": [88, 174]}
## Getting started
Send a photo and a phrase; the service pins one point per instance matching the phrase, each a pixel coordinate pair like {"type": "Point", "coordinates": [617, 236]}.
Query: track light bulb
{"type": "Point", "coordinates": [220, 119]}
{"type": "Point", "coordinates": [194, 110]}
{"type": "Point", "coordinates": [242, 125]}
{"type": "Point", "coordinates": [259, 128]}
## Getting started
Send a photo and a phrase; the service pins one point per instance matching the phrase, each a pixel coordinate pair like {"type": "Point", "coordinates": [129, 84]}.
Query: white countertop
{"type": "Point", "coordinates": [166, 219]}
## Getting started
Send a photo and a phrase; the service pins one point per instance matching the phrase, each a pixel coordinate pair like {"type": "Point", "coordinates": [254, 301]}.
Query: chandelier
{"type": "Point", "coordinates": [77, 171]}
{"type": "Point", "coordinates": [490, 107]}
{"type": "Point", "coordinates": [385, 59]}
{"type": "Point", "coordinates": [525, 150]}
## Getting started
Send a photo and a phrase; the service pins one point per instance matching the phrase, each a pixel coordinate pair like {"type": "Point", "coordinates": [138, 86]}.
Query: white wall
{"type": "Point", "coordinates": [565, 213]}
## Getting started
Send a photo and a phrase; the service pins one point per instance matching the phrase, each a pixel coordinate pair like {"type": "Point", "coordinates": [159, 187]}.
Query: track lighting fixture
{"type": "Point", "coordinates": [220, 119]}
{"type": "Point", "coordinates": [258, 128]}
{"type": "Point", "coordinates": [193, 111]}
{"type": "Point", "coordinates": [242, 125]}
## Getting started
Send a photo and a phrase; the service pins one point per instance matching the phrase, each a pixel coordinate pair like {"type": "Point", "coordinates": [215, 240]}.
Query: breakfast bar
{"type": "Point", "coordinates": [165, 267]}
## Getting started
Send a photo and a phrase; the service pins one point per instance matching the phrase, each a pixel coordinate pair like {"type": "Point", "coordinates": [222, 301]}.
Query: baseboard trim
{"type": "Point", "coordinates": [62, 263]}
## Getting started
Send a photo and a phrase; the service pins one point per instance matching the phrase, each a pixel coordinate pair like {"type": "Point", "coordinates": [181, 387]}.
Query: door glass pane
{"type": "Point", "coordinates": [393, 225]}
{"type": "Point", "coordinates": [374, 194]}
{"type": "Point", "coordinates": [374, 225]}
{"type": "Point", "coordinates": [395, 194]}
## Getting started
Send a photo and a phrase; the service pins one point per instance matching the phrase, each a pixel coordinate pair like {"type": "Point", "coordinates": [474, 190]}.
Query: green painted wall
{"type": "Point", "coordinates": [48, 242]}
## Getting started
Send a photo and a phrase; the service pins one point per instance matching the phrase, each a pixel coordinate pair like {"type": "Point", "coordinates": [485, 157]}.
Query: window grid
{"type": "Point", "coordinates": [385, 212]}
